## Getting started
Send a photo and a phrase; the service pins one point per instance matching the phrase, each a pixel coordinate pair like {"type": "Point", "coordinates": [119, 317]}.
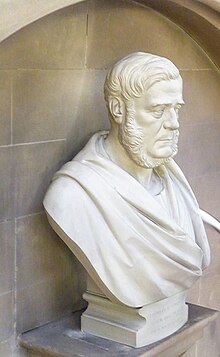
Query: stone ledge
{"type": "Point", "coordinates": [53, 340]}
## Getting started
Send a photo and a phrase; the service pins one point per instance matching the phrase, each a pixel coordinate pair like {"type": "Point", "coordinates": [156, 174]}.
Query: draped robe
{"type": "Point", "coordinates": [136, 251]}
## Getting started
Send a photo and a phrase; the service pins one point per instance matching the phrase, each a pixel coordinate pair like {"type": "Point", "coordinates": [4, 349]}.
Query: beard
{"type": "Point", "coordinates": [131, 138]}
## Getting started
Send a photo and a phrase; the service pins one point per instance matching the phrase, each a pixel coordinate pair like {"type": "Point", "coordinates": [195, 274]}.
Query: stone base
{"type": "Point", "coordinates": [134, 327]}
{"type": "Point", "coordinates": [64, 338]}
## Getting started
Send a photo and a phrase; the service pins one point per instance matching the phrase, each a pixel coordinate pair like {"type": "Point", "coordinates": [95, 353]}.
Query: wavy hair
{"type": "Point", "coordinates": [134, 74]}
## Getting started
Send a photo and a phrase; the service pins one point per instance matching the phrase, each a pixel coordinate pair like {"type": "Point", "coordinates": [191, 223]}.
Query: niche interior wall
{"type": "Point", "coordinates": [51, 84]}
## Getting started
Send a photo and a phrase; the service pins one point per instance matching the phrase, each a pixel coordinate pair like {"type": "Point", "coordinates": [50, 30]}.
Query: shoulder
{"type": "Point", "coordinates": [64, 193]}
{"type": "Point", "coordinates": [62, 186]}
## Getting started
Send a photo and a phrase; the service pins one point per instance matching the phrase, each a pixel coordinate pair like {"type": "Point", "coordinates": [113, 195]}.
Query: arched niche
{"type": "Point", "coordinates": [53, 104]}
{"type": "Point", "coordinates": [199, 18]}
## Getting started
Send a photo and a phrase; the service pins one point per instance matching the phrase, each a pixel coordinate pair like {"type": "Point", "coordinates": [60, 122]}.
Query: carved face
{"type": "Point", "coordinates": [154, 124]}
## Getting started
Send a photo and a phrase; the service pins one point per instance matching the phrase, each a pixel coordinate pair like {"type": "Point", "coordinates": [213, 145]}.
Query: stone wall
{"type": "Point", "coordinates": [51, 80]}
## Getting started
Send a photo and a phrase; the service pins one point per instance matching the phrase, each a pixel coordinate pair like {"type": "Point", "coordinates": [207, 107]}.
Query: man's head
{"type": "Point", "coordinates": [143, 93]}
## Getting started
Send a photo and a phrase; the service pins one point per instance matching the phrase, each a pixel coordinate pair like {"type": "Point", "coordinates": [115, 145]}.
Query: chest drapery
{"type": "Point", "coordinates": [126, 240]}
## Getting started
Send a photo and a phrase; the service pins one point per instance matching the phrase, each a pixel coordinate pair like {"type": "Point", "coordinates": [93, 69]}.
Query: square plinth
{"type": "Point", "coordinates": [64, 338]}
{"type": "Point", "coordinates": [135, 327]}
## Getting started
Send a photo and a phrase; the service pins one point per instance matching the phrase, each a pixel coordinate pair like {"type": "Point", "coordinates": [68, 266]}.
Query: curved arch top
{"type": "Point", "coordinates": [199, 18]}
{"type": "Point", "coordinates": [16, 14]}
{"type": "Point", "coordinates": [214, 4]}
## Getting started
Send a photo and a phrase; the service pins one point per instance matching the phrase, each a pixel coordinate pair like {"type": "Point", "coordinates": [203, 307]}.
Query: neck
{"type": "Point", "coordinates": [120, 157]}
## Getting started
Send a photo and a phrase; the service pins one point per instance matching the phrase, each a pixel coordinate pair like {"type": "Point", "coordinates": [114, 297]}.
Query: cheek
{"type": "Point", "coordinates": [153, 131]}
{"type": "Point", "coordinates": [145, 120]}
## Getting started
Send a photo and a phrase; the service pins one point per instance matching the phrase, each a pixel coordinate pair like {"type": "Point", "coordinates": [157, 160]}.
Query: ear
{"type": "Point", "coordinates": [116, 109]}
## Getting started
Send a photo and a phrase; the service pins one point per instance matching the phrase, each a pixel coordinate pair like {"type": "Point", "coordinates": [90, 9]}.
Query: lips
{"type": "Point", "coordinates": [167, 140]}
{"type": "Point", "coordinates": [174, 137]}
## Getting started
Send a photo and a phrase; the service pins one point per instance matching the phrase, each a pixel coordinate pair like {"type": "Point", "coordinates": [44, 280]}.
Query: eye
{"type": "Point", "coordinates": [158, 112]}
{"type": "Point", "coordinates": [177, 108]}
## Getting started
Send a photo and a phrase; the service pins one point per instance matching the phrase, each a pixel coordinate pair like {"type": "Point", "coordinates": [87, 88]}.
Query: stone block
{"type": "Point", "coordinates": [209, 345]}
{"type": "Point", "coordinates": [205, 188]}
{"type": "Point", "coordinates": [7, 183]}
{"type": "Point", "coordinates": [193, 293]}
{"type": "Point", "coordinates": [5, 108]}
{"type": "Point", "coordinates": [201, 95]}
{"type": "Point", "coordinates": [191, 352]}
{"type": "Point", "coordinates": [49, 279]}
{"type": "Point", "coordinates": [26, 173]}
{"type": "Point", "coordinates": [209, 290]}
{"type": "Point", "coordinates": [7, 252]}
{"type": "Point", "coordinates": [89, 113]}
{"type": "Point", "coordinates": [6, 349]}
{"type": "Point", "coordinates": [7, 315]}
{"type": "Point", "coordinates": [34, 166]}
{"type": "Point", "coordinates": [214, 241]}
{"type": "Point", "coordinates": [201, 144]}
{"type": "Point", "coordinates": [58, 104]}
{"type": "Point", "coordinates": [53, 339]}
{"type": "Point", "coordinates": [41, 110]}
{"type": "Point", "coordinates": [110, 19]}
{"type": "Point", "coordinates": [55, 41]}
{"type": "Point", "coordinates": [21, 352]}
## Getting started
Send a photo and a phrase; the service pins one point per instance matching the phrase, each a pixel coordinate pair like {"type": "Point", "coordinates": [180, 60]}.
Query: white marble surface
{"type": "Point", "coordinates": [134, 327]}
{"type": "Point", "coordinates": [123, 206]}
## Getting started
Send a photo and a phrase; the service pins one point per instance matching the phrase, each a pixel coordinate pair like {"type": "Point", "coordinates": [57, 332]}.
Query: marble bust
{"type": "Point", "coordinates": [122, 205]}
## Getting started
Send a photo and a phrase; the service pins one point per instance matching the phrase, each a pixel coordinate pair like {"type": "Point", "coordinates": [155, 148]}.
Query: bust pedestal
{"type": "Point", "coordinates": [64, 338]}
{"type": "Point", "coordinates": [134, 327]}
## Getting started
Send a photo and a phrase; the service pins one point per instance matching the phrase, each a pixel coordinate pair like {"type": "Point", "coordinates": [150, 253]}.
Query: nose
{"type": "Point", "coordinates": [171, 122]}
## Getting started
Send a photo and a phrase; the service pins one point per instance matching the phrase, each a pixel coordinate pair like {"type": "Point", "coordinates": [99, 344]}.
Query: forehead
{"type": "Point", "coordinates": [164, 92]}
